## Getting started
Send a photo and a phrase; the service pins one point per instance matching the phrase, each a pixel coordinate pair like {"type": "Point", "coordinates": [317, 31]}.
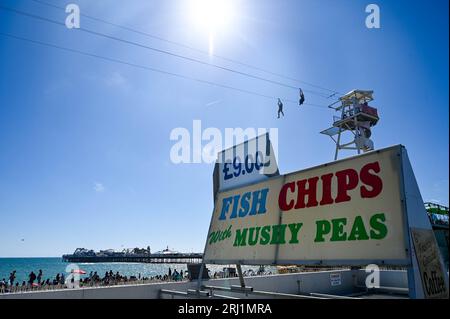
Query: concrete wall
{"type": "Point", "coordinates": [388, 278]}
{"type": "Point", "coordinates": [301, 283]}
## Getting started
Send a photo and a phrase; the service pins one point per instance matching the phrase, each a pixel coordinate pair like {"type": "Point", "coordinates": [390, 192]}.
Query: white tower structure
{"type": "Point", "coordinates": [355, 117]}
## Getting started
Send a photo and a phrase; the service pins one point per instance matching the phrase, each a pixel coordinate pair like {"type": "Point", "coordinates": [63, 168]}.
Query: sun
{"type": "Point", "coordinates": [212, 16]}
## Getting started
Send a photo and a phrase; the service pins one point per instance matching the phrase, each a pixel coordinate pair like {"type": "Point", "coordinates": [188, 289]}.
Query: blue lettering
{"type": "Point", "coordinates": [259, 198]}
{"type": "Point", "coordinates": [245, 204]}
{"type": "Point", "coordinates": [225, 205]}
{"type": "Point", "coordinates": [226, 169]}
{"type": "Point", "coordinates": [235, 206]}
{"type": "Point", "coordinates": [241, 204]}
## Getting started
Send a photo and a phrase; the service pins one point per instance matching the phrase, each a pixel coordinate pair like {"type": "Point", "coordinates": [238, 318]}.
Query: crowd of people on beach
{"type": "Point", "coordinates": [93, 279]}
{"type": "Point", "coordinates": [61, 281]}
{"type": "Point", "coordinates": [34, 282]}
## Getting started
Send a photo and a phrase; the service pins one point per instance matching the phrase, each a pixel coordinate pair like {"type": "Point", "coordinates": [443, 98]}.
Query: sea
{"type": "Point", "coordinates": [52, 266]}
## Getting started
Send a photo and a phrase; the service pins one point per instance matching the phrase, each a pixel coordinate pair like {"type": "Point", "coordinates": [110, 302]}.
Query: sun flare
{"type": "Point", "coordinates": [212, 16]}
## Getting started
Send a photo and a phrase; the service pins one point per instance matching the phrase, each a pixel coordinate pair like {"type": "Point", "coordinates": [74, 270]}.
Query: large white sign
{"type": "Point", "coordinates": [345, 212]}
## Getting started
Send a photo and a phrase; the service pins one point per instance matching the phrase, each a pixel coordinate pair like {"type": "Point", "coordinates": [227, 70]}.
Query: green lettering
{"type": "Point", "coordinates": [240, 238]}
{"type": "Point", "coordinates": [379, 229]}
{"type": "Point", "coordinates": [265, 235]}
{"type": "Point", "coordinates": [338, 233]}
{"type": "Point", "coordinates": [253, 241]}
{"type": "Point", "coordinates": [323, 227]}
{"type": "Point", "coordinates": [358, 230]}
{"type": "Point", "coordinates": [294, 228]}
{"type": "Point", "coordinates": [278, 234]}
{"type": "Point", "coordinates": [211, 238]}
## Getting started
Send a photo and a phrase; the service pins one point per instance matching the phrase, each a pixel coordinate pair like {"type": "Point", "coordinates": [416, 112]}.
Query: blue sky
{"type": "Point", "coordinates": [84, 143]}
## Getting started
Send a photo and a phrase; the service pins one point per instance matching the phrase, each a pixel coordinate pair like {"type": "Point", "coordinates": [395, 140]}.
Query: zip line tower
{"type": "Point", "coordinates": [355, 117]}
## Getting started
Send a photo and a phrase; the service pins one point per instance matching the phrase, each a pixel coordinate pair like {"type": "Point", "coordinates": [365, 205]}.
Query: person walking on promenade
{"type": "Point", "coordinates": [32, 278]}
{"type": "Point", "coordinates": [2, 286]}
{"type": "Point", "coordinates": [39, 276]}
{"type": "Point", "coordinates": [12, 277]}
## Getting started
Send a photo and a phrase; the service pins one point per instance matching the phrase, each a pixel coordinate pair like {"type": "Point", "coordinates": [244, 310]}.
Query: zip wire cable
{"type": "Point", "coordinates": [92, 55]}
{"type": "Point", "coordinates": [333, 92]}
{"type": "Point", "coordinates": [160, 51]}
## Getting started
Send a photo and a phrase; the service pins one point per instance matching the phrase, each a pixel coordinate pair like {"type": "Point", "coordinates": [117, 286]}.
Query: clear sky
{"type": "Point", "coordinates": [84, 143]}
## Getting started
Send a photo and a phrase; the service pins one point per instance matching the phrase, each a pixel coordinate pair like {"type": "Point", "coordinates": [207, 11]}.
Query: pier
{"type": "Point", "coordinates": [177, 258]}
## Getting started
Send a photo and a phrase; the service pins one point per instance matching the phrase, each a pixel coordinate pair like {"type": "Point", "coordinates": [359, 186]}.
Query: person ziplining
{"type": "Point", "coordinates": [302, 98]}
{"type": "Point", "coordinates": [280, 108]}
{"type": "Point", "coordinates": [300, 102]}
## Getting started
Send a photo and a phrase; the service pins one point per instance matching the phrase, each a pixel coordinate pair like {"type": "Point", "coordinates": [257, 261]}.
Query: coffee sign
{"type": "Point", "coordinates": [431, 272]}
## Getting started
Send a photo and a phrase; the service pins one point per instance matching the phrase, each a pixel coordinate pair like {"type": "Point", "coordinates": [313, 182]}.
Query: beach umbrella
{"type": "Point", "coordinates": [78, 271]}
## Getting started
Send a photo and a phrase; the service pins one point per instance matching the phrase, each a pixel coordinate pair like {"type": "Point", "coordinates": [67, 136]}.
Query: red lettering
{"type": "Point", "coordinates": [284, 206]}
{"type": "Point", "coordinates": [310, 191]}
{"type": "Point", "coordinates": [304, 192]}
{"type": "Point", "coordinates": [326, 189]}
{"type": "Point", "coordinates": [371, 180]}
{"type": "Point", "coordinates": [347, 180]}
